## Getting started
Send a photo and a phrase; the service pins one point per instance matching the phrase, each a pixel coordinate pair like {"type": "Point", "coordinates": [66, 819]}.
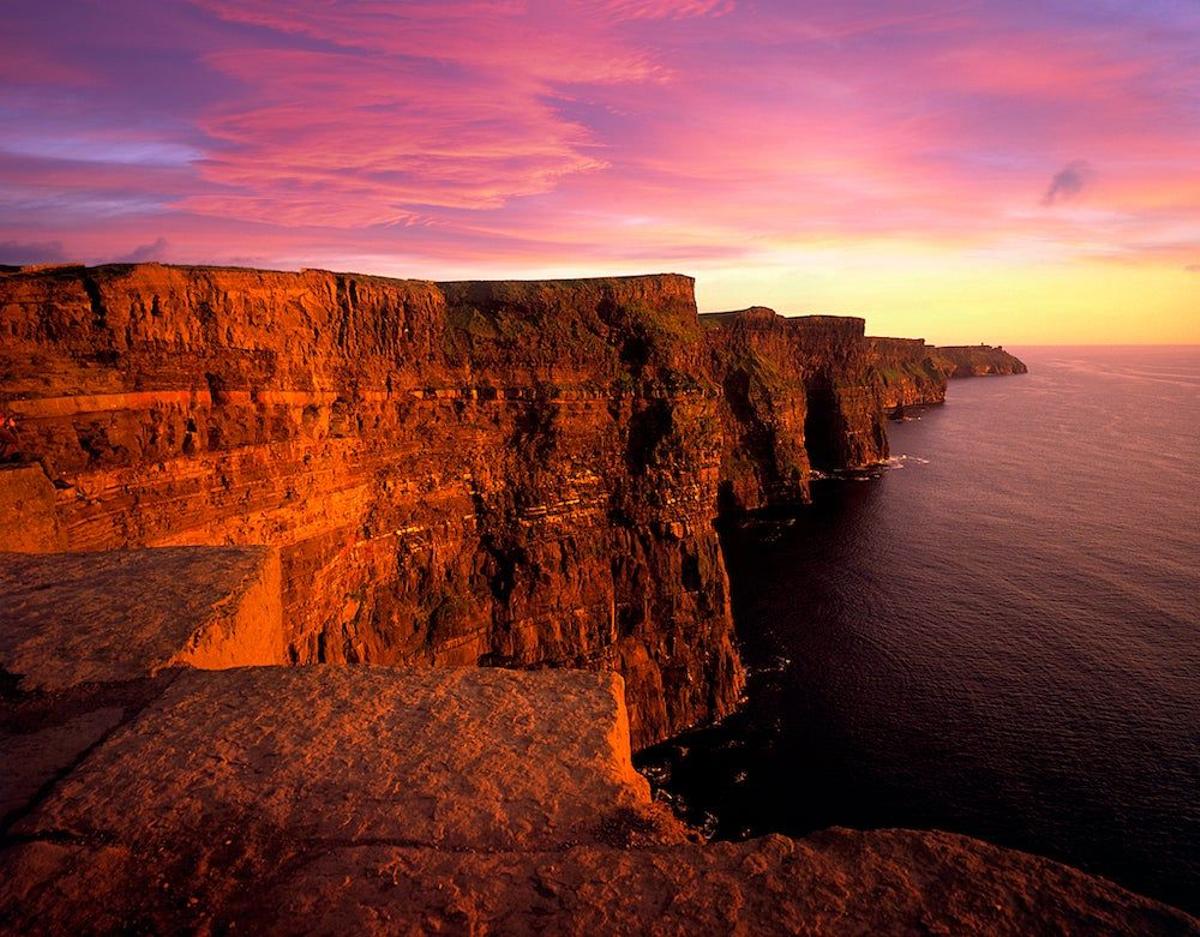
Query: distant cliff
{"type": "Point", "coordinates": [517, 473]}
{"type": "Point", "coordinates": [908, 372]}
{"type": "Point", "coordinates": [797, 395]}
{"type": "Point", "coordinates": [979, 360]}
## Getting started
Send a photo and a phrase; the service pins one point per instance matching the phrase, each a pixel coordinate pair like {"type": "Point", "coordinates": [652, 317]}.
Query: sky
{"type": "Point", "coordinates": [1025, 171]}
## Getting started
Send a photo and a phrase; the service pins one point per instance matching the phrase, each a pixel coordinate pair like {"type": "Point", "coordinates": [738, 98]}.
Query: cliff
{"type": "Point", "coordinates": [908, 372]}
{"type": "Point", "coordinates": [980, 360]}
{"type": "Point", "coordinates": [514, 473]}
{"type": "Point", "coordinates": [798, 394]}
{"type": "Point", "coordinates": [218, 475]}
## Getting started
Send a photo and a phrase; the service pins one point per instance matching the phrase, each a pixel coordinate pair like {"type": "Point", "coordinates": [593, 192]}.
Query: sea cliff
{"type": "Point", "coordinates": [908, 372]}
{"type": "Point", "coordinates": [214, 476]}
{"type": "Point", "coordinates": [980, 360]}
{"type": "Point", "coordinates": [513, 473]}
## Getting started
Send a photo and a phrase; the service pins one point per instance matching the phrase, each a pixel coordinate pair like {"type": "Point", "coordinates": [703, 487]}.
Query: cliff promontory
{"type": "Point", "coordinates": [980, 360]}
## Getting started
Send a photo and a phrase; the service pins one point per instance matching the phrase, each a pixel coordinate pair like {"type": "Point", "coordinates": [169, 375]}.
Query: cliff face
{"type": "Point", "coordinates": [460, 473]}
{"type": "Point", "coordinates": [908, 372]}
{"type": "Point", "coordinates": [518, 473]}
{"type": "Point", "coordinates": [979, 360]}
{"type": "Point", "coordinates": [797, 395]}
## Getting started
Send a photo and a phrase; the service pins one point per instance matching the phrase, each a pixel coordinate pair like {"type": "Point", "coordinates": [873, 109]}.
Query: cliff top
{"type": "Point", "coordinates": [126, 268]}
{"type": "Point", "coordinates": [750, 314]}
{"type": "Point", "coordinates": [907, 342]}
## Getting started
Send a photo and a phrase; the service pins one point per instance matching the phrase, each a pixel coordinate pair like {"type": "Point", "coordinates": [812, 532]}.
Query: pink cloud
{"type": "Point", "coordinates": [536, 132]}
{"type": "Point", "coordinates": [327, 138]}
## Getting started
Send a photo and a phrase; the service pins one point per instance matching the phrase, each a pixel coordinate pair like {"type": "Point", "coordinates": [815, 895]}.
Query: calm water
{"type": "Point", "coordinates": [1000, 636]}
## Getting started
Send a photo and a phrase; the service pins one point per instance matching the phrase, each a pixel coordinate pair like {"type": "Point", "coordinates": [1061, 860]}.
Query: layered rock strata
{"type": "Point", "coordinates": [514, 473]}
{"type": "Point", "coordinates": [524, 474]}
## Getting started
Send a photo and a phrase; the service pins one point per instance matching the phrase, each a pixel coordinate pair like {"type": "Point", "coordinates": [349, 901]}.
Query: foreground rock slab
{"type": "Point", "coordinates": [452, 758]}
{"type": "Point", "coordinates": [463, 801]}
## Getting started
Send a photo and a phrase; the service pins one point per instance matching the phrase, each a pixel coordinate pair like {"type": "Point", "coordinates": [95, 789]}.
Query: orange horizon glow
{"type": "Point", "coordinates": [1013, 173]}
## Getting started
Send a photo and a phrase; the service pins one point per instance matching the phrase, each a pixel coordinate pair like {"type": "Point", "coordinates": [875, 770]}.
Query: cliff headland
{"type": "Point", "coordinates": [247, 472]}
{"type": "Point", "coordinates": [981, 360]}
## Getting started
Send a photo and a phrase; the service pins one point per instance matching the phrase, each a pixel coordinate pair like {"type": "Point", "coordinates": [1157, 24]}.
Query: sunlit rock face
{"type": "Point", "coordinates": [505, 473]}
{"type": "Point", "coordinates": [513, 473]}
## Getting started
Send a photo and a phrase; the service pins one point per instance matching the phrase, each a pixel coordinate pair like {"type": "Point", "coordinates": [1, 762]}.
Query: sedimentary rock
{"type": "Point", "coordinates": [979, 360]}
{"type": "Point", "coordinates": [510, 473]}
{"type": "Point", "coordinates": [516, 473]}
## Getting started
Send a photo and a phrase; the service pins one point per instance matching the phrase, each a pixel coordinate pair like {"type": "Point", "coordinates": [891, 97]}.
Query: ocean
{"type": "Point", "coordinates": [999, 635]}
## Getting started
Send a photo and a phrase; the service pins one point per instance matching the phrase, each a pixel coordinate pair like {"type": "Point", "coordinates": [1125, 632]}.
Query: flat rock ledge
{"type": "Point", "coordinates": [333, 800]}
{"type": "Point", "coordinates": [75, 618]}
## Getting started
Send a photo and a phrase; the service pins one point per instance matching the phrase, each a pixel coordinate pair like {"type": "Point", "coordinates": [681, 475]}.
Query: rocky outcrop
{"type": "Point", "coordinates": [980, 360]}
{"type": "Point", "coordinates": [74, 618]}
{"type": "Point", "coordinates": [908, 373]}
{"type": "Point", "coordinates": [456, 800]}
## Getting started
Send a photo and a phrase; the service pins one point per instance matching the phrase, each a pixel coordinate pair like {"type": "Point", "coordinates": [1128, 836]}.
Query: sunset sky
{"type": "Point", "coordinates": [1025, 171]}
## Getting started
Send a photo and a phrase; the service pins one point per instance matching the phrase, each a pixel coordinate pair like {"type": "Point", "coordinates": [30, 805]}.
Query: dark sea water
{"type": "Point", "coordinates": [1000, 636]}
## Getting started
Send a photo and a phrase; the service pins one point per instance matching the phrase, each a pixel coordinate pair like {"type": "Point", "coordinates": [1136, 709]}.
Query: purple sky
{"type": "Point", "coordinates": [946, 167]}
